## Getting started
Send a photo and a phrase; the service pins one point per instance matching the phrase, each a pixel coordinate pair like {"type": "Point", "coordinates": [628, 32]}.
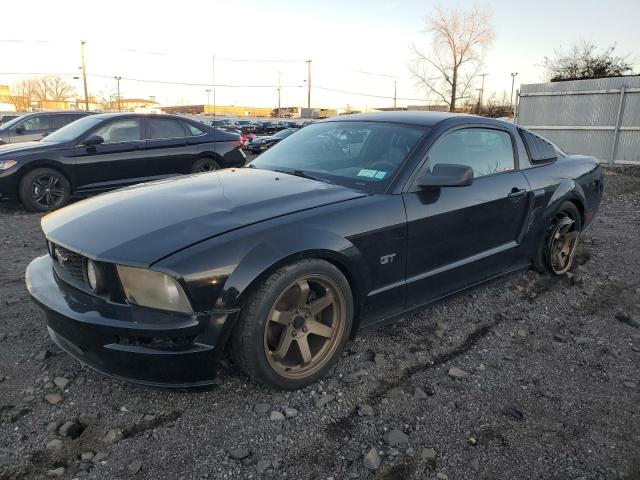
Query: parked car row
{"type": "Point", "coordinates": [266, 127]}
{"type": "Point", "coordinates": [101, 152]}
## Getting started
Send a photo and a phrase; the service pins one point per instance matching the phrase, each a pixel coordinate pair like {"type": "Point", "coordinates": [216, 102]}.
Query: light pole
{"type": "Point", "coordinates": [208, 90]}
{"type": "Point", "coordinates": [213, 77]}
{"type": "Point", "coordinates": [308, 83]}
{"type": "Point", "coordinates": [118, 80]}
{"type": "Point", "coordinates": [84, 76]}
{"type": "Point", "coordinates": [481, 92]}
{"type": "Point", "coordinates": [395, 93]}
{"type": "Point", "coordinates": [513, 80]}
{"type": "Point", "coordinates": [279, 93]}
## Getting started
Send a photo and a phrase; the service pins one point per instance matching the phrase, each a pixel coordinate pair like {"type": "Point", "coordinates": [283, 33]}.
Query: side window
{"type": "Point", "coordinates": [126, 130]}
{"type": "Point", "coordinates": [485, 150]}
{"type": "Point", "coordinates": [539, 149]}
{"type": "Point", "coordinates": [59, 121]}
{"type": "Point", "coordinates": [193, 130]}
{"type": "Point", "coordinates": [39, 122]}
{"type": "Point", "coordinates": [165, 128]}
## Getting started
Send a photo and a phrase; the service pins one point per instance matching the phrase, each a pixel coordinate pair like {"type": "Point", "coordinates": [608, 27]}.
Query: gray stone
{"type": "Point", "coordinates": [323, 400]}
{"type": "Point", "coordinates": [52, 427]}
{"type": "Point", "coordinates": [419, 394]}
{"type": "Point", "coordinates": [87, 419]}
{"type": "Point", "coordinates": [262, 466]}
{"type": "Point", "coordinates": [148, 418]}
{"type": "Point", "coordinates": [87, 456]}
{"type": "Point", "coordinates": [53, 398]}
{"type": "Point", "coordinates": [395, 438]}
{"type": "Point", "coordinates": [55, 445]}
{"type": "Point", "coordinates": [70, 429]}
{"type": "Point", "coordinates": [630, 384]}
{"type": "Point", "coordinates": [365, 410]}
{"type": "Point", "coordinates": [56, 472]}
{"type": "Point", "coordinates": [455, 372]}
{"type": "Point", "coordinates": [372, 459]}
{"type": "Point", "coordinates": [290, 412]}
{"type": "Point", "coordinates": [100, 457]}
{"type": "Point", "coordinates": [276, 416]}
{"type": "Point", "coordinates": [442, 476]}
{"type": "Point", "coordinates": [583, 340]}
{"type": "Point", "coordinates": [262, 408]}
{"type": "Point", "coordinates": [379, 360]}
{"type": "Point", "coordinates": [113, 436]}
{"type": "Point", "coordinates": [239, 453]}
{"type": "Point", "coordinates": [61, 382]}
{"type": "Point", "coordinates": [428, 455]}
{"type": "Point", "coordinates": [522, 333]}
{"type": "Point", "coordinates": [134, 468]}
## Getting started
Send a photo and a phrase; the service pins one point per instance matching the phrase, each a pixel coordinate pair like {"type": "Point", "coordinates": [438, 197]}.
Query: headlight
{"type": "Point", "coordinates": [149, 288]}
{"type": "Point", "coordinates": [94, 277]}
{"type": "Point", "coordinates": [7, 164]}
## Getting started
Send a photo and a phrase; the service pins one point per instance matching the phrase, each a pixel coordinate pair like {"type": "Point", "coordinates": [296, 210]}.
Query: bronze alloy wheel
{"type": "Point", "coordinates": [305, 326]}
{"type": "Point", "coordinates": [562, 243]}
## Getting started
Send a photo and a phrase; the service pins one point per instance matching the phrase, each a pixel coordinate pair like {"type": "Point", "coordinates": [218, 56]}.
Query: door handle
{"type": "Point", "coordinates": [517, 192]}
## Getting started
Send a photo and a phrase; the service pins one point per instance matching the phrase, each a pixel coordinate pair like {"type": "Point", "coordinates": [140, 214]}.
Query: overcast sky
{"type": "Point", "coordinates": [175, 41]}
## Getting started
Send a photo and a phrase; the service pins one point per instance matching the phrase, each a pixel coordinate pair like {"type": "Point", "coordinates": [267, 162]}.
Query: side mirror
{"type": "Point", "coordinates": [20, 129]}
{"type": "Point", "coordinates": [93, 140]}
{"type": "Point", "coordinates": [447, 175]}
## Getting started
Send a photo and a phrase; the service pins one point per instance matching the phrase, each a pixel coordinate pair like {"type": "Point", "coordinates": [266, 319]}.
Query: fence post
{"type": "Point", "coordinates": [516, 107]}
{"type": "Point", "coordinates": [616, 129]}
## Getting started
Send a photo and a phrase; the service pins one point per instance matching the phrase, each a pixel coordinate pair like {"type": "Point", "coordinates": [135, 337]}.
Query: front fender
{"type": "Point", "coordinates": [286, 246]}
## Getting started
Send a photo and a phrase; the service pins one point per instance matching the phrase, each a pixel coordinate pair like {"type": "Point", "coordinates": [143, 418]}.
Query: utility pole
{"type": "Point", "coordinates": [213, 77]}
{"type": "Point", "coordinates": [118, 80]}
{"type": "Point", "coordinates": [513, 80]}
{"type": "Point", "coordinates": [84, 77]}
{"type": "Point", "coordinates": [208, 90]}
{"type": "Point", "coordinates": [308, 83]}
{"type": "Point", "coordinates": [279, 93]}
{"type": "Point", "coordinates": [395, 93]}
{"type": "Point", "coordinates": [481, 93]}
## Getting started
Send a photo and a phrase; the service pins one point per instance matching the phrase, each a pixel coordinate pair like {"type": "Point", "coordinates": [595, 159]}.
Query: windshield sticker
{"type": "Point", "coordinates": [380, 174]}
{"type": "Point", "coordinates": [367, 173]}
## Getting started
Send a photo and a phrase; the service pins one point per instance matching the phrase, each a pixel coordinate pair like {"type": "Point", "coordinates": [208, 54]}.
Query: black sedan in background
{"type": "Point", "coordinates": [260, 144]}
{"type": "Point", "coordinates": [112, 150]}
{"type": "Point", "coordinates": [340, 228]}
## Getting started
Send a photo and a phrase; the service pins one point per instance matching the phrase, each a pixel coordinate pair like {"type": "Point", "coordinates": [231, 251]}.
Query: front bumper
{"type": "Point", "coordinates": [137, 344]}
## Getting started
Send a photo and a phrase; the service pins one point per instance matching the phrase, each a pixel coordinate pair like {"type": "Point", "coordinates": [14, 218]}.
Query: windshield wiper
{"type": "Point", "coordinates": [299, 173]}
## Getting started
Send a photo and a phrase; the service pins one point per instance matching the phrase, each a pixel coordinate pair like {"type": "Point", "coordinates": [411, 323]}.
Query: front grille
{"type": "Point", "coordinates": [71, 263]}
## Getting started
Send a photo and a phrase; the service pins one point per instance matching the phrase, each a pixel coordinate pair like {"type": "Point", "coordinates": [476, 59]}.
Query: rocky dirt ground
{"type": "Point", "coordinates": [526, 378]}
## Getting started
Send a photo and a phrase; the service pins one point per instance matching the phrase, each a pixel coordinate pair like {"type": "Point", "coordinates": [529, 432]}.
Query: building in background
{"type": "Point", "coordinates": [220, 110]}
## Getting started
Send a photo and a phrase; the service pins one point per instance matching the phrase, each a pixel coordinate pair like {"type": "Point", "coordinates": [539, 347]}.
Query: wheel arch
{"type": "Point", "coordinates": [567, 191]}
{"type": "Point", "coordinates": [43, 163]}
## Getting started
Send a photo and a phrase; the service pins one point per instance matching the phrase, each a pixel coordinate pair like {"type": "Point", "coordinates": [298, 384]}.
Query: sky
{"type": "Point", "coordinates": [174, 42]}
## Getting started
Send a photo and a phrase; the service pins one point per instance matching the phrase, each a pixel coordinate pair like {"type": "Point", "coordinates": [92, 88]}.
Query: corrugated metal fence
{"type": "Point", "coordinates": [599, 117]}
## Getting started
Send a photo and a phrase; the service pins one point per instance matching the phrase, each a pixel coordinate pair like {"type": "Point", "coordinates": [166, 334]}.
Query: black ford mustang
{"type": "Point", "coordinates": [108, 151]}
{"type": "Point", "coordinates": [338, 229]}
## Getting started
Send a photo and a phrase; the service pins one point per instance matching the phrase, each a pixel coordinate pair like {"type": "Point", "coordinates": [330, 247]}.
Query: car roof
{"type": "Point", "coordinates": [134, 114]}
{"type": "Point", "coordinates": [427, 119]}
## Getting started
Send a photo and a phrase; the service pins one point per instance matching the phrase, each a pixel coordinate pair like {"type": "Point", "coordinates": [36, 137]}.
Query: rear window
{"type": "Point", "coordinates": [165, 128]}
{"type": "Point", "coordinates": [539, 149]}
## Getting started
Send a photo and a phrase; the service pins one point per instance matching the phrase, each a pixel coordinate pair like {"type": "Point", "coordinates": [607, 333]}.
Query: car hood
{"type": "Point", "coordinates": [25, 147]}
{"type": "Point", "coordinates": [139, 225]}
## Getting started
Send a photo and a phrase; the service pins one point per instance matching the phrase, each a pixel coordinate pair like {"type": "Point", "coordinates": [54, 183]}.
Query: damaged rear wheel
{"type": "Point", "coordinates": [555, 254]}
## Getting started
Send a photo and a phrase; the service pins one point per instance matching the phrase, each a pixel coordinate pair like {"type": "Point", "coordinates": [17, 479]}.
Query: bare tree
{"type": "Point", "coordinates": [23, 94]}
{"type": "Point", "coordinates": [53, 88]}
{"type": "Point", "coordinates": [459, 40]}
{"type": "Point", "coordinates": [583, 60]}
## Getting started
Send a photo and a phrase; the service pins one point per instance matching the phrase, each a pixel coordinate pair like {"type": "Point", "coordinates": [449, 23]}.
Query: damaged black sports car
{"type": "Point", "coordinates": [338, 229]}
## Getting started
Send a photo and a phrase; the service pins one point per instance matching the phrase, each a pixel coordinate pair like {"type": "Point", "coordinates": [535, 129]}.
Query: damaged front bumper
{"type": "Point", "coordinates": [138, 344]}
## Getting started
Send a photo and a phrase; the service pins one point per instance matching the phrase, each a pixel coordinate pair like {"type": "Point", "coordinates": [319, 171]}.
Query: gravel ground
{"type": "Point", "coordinates": [527, 377]}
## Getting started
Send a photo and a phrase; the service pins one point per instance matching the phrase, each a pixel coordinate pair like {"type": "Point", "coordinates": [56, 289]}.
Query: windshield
{"type": "Point", "coordinates": [73, 130]}
{"type": "Point", "coordinates": [357, 154]}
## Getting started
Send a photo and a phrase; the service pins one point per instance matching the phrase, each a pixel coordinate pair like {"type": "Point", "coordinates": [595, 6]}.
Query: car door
{"type": "Point", "coordinates": [119, 160]}
{"type": "Point", "coordinates": [170, 146]}
{"type": "Point", "coordinates": [459, 236]}
{"type": "Point", "coordinates": [31, 129]}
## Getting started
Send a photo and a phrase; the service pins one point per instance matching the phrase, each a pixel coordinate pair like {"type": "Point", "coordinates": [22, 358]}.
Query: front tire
{"type": "Point", "coordinates": [44, 190]}
{"type": "Point", "coordinates": [294, 325]}
{"type": "Point", "coordinates": [556, 251]}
